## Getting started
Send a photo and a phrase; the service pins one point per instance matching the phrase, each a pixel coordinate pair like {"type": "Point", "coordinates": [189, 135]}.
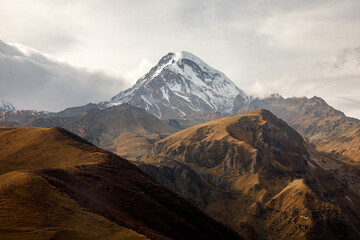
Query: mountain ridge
{"type": "Point", "coordinates": [328, 129]}
{"type": "Point", "coordinates": [256, 174]}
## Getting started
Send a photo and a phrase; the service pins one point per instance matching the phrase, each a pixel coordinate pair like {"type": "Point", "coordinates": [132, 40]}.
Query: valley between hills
{"type": "Point", "coordinates": [183, 154]}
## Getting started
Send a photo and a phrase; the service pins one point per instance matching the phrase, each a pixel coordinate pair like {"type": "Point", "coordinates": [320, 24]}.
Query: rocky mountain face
{"type": "Point", "coordinates": [256, 174]}
{"type": "Point", "coordinates": [55, 185]}
{"type": "Point", "coordinates": [179, 85]}
{"type": "Point", "coordinates": [5, 106]}
{"type": "Point", "coordinates": [123, 129]}
{"type": "Point", "coordinates": [328, 129]}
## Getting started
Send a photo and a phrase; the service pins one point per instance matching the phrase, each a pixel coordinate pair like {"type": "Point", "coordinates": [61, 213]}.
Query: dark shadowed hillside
{"type": "Point", "coordinates": [55, 185]}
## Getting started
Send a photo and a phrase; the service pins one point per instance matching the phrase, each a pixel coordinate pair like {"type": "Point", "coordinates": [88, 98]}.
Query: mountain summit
{"type": "Point", "coordinates": [179, 85]}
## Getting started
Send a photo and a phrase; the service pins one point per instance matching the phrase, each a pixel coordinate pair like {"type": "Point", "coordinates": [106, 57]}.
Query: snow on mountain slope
{"type": "Point", "coordinates": [179, 85]}
{"type": "Point", "coordinates": [5, 106]}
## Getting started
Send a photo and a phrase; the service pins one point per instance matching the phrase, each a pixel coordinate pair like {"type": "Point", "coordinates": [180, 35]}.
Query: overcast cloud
{"type": "Point", "coordinates": [31, 80]}
{"type": "Point", "coordinates": [290, 47]}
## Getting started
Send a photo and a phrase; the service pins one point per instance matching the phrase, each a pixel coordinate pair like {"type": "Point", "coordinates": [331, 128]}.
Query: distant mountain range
{"type": "Point", "coordinates": [183, 87]}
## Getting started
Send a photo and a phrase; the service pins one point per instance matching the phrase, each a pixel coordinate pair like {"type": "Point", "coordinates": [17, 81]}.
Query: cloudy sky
{"type": "Point", "coordinates": [97, 48]}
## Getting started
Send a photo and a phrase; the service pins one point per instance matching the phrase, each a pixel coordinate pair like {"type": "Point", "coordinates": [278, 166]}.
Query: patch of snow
{"type": "Point", "coordinates": [159, 114]}
{"type": "Point", "coordinates": [164, 93]}
{"type": "Point", "coordinates": [5, 106]}
{"type": "Point", "coordinates": [187, 55]}
{"type": "Point", "coordinates": [147, 101]}
{"type": "Point", "coordinates": [181, 112]}
{"type": "Point", "coordinates": [182, 96]}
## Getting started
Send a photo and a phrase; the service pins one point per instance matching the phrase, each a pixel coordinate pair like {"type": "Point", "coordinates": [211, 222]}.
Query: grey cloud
{"type": "Point", "coordinates": [44, 25]}
{"type": "Point", "coordinates": [321, 28]}
{"type": "Point", "coordinates": [348, 57]}
{"type": "Point", "coordinates": [31, 80]}
{"type": "Point", "coordinates": [348, 105]}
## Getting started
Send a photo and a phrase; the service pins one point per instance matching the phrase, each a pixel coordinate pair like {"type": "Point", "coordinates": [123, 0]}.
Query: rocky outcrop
{"type": "Point", "coordinates": [256, 174]}
{"type": "Point", "coordinates": [328, 129]}
{"type": "Point", "coordinates": [237, 145]}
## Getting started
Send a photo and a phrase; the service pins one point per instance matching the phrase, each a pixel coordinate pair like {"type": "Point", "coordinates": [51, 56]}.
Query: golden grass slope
{"type": "Point", "coordinates": [55, 185]}
{"type": "Point", "coordinates": [237, 144]}
{"type": "Point", "coordinates": [31, 208]}
{"type": "Point", "coordinates": [258, 176]}
{"type": "Point", "coordinates": [50, 144]}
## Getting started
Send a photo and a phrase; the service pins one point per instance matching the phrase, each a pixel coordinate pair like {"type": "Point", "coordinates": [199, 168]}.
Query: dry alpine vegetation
{"type": "Point", "coordinates": [256, 174]}
{"type": "Point", "coordinates": [55, 185]}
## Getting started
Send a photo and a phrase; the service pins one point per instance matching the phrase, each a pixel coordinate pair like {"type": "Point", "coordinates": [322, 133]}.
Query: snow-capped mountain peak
{"type": "Point", "coordinates": [5, 106]}
{"type": "Point", "coordinates": [180, 84]}
{"type": "Point", "coordinates": [178, 57]}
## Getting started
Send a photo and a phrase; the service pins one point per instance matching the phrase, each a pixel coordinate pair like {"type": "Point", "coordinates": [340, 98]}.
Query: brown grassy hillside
{"type": "Point", "coordinates": [55, 185]}
{"type": "Point", "coordinates": [256, 174]}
